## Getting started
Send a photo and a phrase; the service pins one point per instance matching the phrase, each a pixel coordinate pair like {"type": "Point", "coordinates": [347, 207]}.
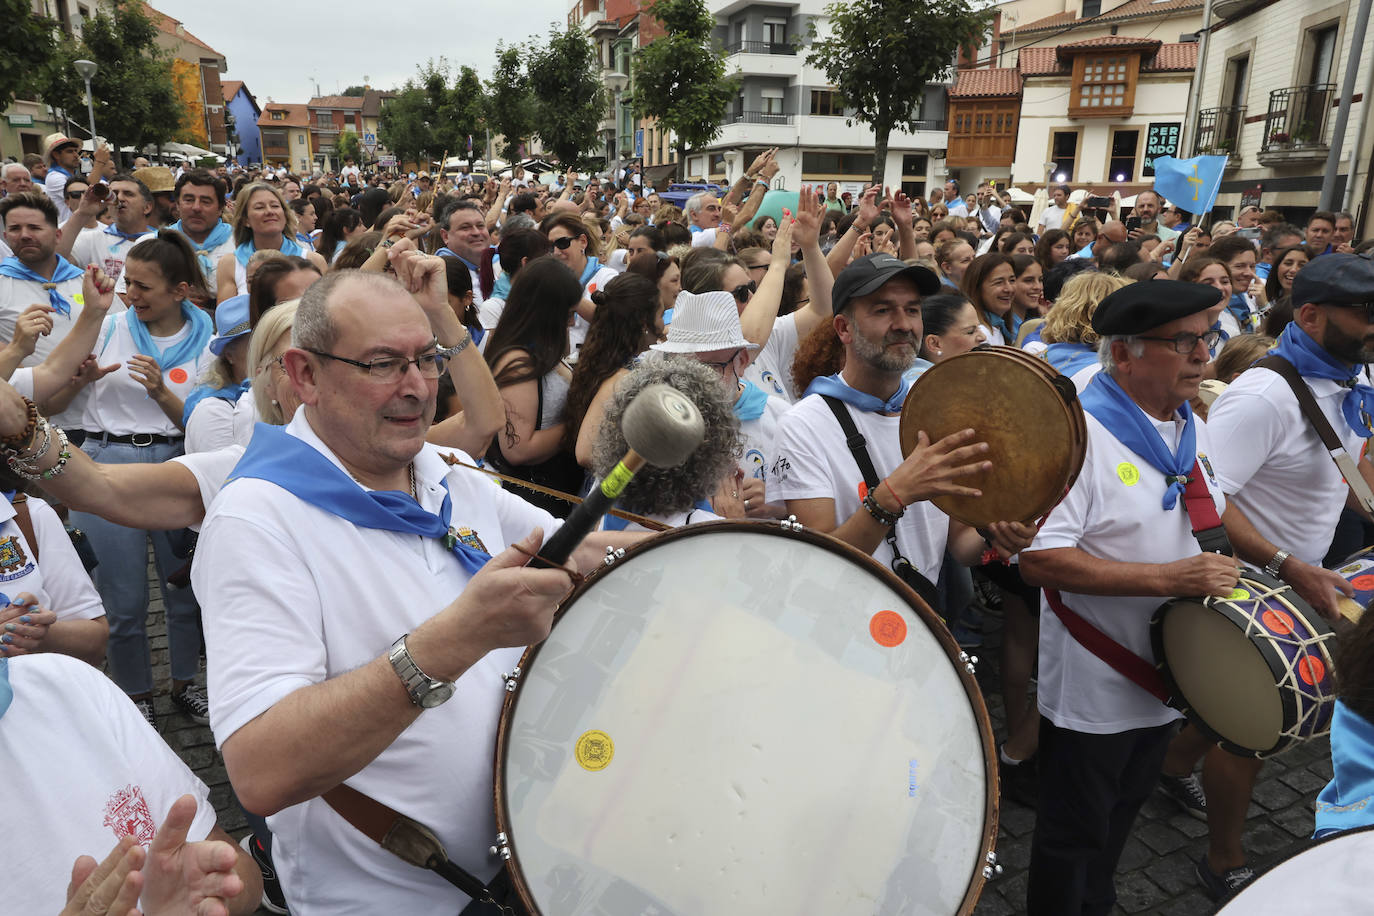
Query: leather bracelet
{"type": "Point", "coordinates": [880, 515]}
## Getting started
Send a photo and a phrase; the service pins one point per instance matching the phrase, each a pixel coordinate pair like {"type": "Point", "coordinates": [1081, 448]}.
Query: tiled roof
{"type": "Point", "coordinates": [336, 101]}
{"type": "Point", "coordinates": [296, 115]}
{"type": "Point", "coordinates": [1040, 62]}
{"type": "Point", "coordinates": [1168, 58]}
{"type": "Point", "coordinates": [999, 82]}
{"type": "Point", "coordinates": [231, 88]}
{"type": "Point", "coordinates": [174, 27]}
{"type": "Point", "coordinates": [1176, 56]}
{"type": "Point", "coordinates": [1134, 9]}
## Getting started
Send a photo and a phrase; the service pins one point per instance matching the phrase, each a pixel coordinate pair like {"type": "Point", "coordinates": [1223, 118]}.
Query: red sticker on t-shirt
{"type": "Point", "coordinates": [178, 375]}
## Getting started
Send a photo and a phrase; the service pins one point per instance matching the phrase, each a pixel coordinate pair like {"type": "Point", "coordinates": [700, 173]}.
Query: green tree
{"type": "Point", "coordinates": [880, 55]}
{"type": "Point", "coordinates": [26, 47]}
{"type": "Point", "coordinates": [355, 92]}
{"type": "Point", "coordinates": [679, 78]}
{"type": "Point", "coordinates": [569, 99]}
{"type": "Point", "coordinates": [348, 147]}
{"type": "Point", "coordinates": [404, 127]}
{"type": "Point", "coordinates": [510, 107]}
{"type": "Point", "coordinates": [134, 91]}
{"type": "Point", "coordinates": [466, 113]}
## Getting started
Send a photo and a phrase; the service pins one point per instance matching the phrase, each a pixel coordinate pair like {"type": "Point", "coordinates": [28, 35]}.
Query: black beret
{"type": "Point", "coordinates": [1335, 279]}
{"type": "Point", "coordinates": [1142, 306]}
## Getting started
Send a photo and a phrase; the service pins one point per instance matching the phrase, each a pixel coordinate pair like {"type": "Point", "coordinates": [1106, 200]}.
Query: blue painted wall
{"type": "Point", "coordinates": [246, 123]}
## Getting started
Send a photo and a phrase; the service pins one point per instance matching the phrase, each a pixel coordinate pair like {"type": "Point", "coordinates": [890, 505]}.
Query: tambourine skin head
{"type": "Point", "coordinates": [1034, 429]}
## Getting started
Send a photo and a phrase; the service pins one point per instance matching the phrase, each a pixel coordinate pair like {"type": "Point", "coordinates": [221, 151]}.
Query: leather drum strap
{"type": "Point", "coordinates": [25, 521]}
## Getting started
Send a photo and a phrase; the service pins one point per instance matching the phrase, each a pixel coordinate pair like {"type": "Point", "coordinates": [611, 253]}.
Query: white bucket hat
{"type": "Point", "coordinates": [703, 322]}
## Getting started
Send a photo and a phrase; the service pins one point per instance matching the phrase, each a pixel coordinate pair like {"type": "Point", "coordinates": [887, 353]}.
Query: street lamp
{"type": "Point", "coordinates": [617, 82]}
{"type": "Point", "coordinates": [86, 69]}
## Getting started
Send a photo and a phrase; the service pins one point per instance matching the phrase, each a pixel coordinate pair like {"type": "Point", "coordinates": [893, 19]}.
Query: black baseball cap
{"type": "Point", "coordinates": [1336, 279]}
{"type": "Point", "coordinates": [869, 273]}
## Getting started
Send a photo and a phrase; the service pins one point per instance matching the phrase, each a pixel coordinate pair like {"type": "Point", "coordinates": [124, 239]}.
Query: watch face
{"type": "Point", "coordinates": [436, 695]}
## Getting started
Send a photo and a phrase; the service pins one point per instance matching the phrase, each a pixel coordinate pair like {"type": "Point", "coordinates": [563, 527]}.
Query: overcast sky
{"type": "Point", "coordinates": [281, 48]}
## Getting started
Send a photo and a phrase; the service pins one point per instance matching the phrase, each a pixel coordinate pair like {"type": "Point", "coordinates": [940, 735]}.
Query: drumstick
{"type": "Point", "coordinates": [662, 427]}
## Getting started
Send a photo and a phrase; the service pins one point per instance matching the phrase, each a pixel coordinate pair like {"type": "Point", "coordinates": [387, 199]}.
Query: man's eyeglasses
{"type": "Point", "coordinates": [1368, 308]}
{"type": "Point", "coordinates": [744, 291]}
{"type": "Point", "coordinates": [1185, 343]}
{"type": "Point", "coordinates": [386, 369]}
{"type": "Point", "coordinates": [563, 243]}
{"type": "Point", "coordinates": [75, 195]}
{"type": "Point", "coordinates": [723, 364]}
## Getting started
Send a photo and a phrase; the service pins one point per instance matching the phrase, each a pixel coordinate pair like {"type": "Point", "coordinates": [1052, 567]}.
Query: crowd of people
{"type": "Point", "coordinates": [219, 363]}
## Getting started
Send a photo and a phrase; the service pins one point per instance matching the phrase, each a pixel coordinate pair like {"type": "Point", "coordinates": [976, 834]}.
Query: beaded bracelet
{"type": "Point", "coordinates": [880, 515]}
{"type": "Point", "coordinates": [46, 429]}
{"type": "Point", "coordinates": [25, 437]}
{"type": "Point", "coordinates": [28, 471]}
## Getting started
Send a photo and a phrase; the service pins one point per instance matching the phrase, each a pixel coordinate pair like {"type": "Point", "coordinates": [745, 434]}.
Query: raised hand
{"type": "Point", "coordinates": [806, 229]}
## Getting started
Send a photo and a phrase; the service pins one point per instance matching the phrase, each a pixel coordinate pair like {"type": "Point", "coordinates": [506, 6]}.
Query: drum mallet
{"type": "Point", "coordinates": [662, 427]}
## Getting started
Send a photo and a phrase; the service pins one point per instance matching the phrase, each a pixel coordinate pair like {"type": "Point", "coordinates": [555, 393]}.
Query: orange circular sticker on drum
{"type": "Point", "coordinates": [594, 750]}
{"type": "Point", "coordinates": [1311, 670]}
{"type": "Point", "coordinates": [177, 375]}
{"type": "Point", "coordinates": [1280, 622]}
{"type": "Point", "coordinates": [887, 628]}
{"type": "Point", "coordinates": [1364, 583]}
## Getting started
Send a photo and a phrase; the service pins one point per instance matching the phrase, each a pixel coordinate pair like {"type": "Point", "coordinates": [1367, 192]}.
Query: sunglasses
{"type": "Point", "coordinates": [563, 243]}
{"type": "Point", "coordinates": [744, 291]}
{"type": "Point", "coordinates": [75, 195]}
{"type": "Point", "coordinates": [1366, 307]}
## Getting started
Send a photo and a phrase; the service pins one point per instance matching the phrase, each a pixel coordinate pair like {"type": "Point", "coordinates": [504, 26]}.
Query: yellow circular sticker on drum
{"type": "Point", "coordinates": [1129, 473]}
{"type": "Point", "coordinates": [594, 750]}
{"type": "Point", "coordinates": [1238, 594]}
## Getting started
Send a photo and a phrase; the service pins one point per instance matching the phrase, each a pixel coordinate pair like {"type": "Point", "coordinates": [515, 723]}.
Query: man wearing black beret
{"type": "Point", "coordinates": [1285, 494]}
{"type": "Point", "coordinates": [1121, 542]}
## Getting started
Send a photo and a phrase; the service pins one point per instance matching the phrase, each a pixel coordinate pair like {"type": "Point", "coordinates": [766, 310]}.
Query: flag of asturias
{"type": "Point", "coordinates": [1191, 184]}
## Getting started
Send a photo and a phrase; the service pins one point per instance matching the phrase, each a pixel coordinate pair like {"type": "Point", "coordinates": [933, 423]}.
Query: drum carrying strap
{"type": "Point", "coordinates": [1211, 537]}
{"type": "Point", "coordinates": [1348, 468]}
{"type": "Point", "coordinates": [859, 446]}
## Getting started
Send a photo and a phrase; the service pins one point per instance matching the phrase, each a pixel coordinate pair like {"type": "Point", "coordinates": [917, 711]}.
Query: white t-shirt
{"type": "Point", "coordinates": [1274, 466]}
{"type": "Point", "coordinates": [1052, 217]}
{"type": "Point", "coordinates": [994, 335]}
{"type": "Point", "coordinates": [703, 238]}
{"type": "Point", "coordinates": [578, 332]}
{"type": "Point", "coordinates": [771, 368]}
{"type": "Point", "coordinates": [96, 246]}
{"type": "Point", "coordinates": [760, 439]}
{"type": "Point", "coordinates": [324, 598]}
{"type": "Point", "coordinates": [217, 423]}
{"type": "Point", "coordinates": [118, 403]}
{"type": "Point", "coordinates": [813, 462]}
{"type": "Point", "coordinates": [15, 297]}
{"type": "Point", "coordinates": [55, 186]}
{"type": "Point", "coordinates": [100, 773]}
{"type": "Point", "coordinates": [58, 579]}
{"type": "Point", "coordinates": [1114, 511]}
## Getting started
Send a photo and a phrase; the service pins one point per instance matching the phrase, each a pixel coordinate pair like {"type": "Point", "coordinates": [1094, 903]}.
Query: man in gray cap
{"type": "Point", "coordinates": [1284, 492]}
{"type": "Point", "coordinates": [877, 306]}
{"type": "Point", "coordinates": [1121, 541]}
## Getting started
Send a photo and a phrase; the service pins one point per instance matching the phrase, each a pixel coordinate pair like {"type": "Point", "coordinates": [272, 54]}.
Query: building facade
{"type": "Point", "coordinates": [331, 115]}
{"type": "Point", "coordinates": [1268, 96]}
{"type": "Point", "coordinates": [197, 67]}
{"type": "Point", "coordinates": [285, 130]}
{"type": "Point", "coordinates": [246, 145]}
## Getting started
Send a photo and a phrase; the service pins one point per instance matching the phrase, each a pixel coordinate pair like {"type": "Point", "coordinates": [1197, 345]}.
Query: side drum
{"type": "Point", "coordinates": [746, 718]}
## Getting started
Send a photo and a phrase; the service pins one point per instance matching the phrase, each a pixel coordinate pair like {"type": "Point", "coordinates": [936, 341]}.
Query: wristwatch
{"type": "Point", "coordinates": [425, 692]}
{"type": "Point", "coordinates": [1272, 567]}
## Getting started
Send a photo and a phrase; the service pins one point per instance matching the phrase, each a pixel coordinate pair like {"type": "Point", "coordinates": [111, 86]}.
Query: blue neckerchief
{"type": "Point", "coordinates": [1013, 325]}
{"type": "Point", "coordinates": [997, 324]}
{"type": "Point", "coordinates": [1114, 409]}
{"type": "Point", "coordinates": [1348, 799]}
{"type": "Point", "coordinates": [694, 229]}
{"type": "Point", "coordinates": [1262, 270]}
{"type": "Point", "coordinates": [16, 269]}
{"type": "Point", "coordinates": [289, 247]}
{"type": "Point", "coordinates": [477, 334]}
{"type": "Point", "coordinates": [917, 368]}
{"type": "Point", "coordinates": [338, 248]}
{"type": "Point", "coordinates": [1085, 252]}
{"type": "Point", "coordinates": [114, 230]}
{"type": "Point", "coordinates": [1311, 361]}
{"type": "Point", "coordinates": [946, 281]}
{"type": "Point", "coordinates": [202, 329]}
{"type": "Point", "coordinates": [453, 254]}
{"type": "Point", "coordinates": [593, 265]}
{"type": "Point", "coordinates": [217, 237]}
{"type": "Point", "coordinates": [501, 289]}
{"type": "Point", "coordinates": [749, 405]}
{"type": "Point", "coordinates": [304, 239]}
{"type": "Point", "coordinates": [278, 457]}
{"type": "Point", "coordinates": [1240, 310]}
{"type": "Point", "coordinates": [1069, 358]}
{"type": "Point", "coordinates": [835, 386]}
{"type": "Point", "coordinates": [6, 691]}
{"type": "Point", "coordinates": [1034, 336]}
{"type": "Point", "coordinates": [59, 170]}
{"type": "Point", "coordinates": [1224, 337]}
{"type": "Point", "coordinates": [230, 393]}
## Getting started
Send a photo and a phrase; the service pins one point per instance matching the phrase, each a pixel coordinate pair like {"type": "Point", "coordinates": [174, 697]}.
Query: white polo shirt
{"type": "Point", "coordinates": [292, 596]}
{"type": "Point", "coordinates": [18, 295]}
{"type": "Point", "coordinates": [211, 469]}
{"type": "Point", "coordinates": [104, 774]}
{"type": "Point", "coordinates": [56, 577]}
{"type": "Point", "coordinates": [96, 246]}
{"type": "Point", "coordinates": [1274, 466]}
{"type": "Point", "coordinates": [813, 462]}
{"type": "Point", "coordinates": [118, 403]}
{"type": "Point", "coordinates": [1114, 511]}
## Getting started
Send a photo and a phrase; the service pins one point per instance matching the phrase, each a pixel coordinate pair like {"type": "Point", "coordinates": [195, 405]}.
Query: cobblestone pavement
{"type": "Point", "coordinates": [1156, 872]}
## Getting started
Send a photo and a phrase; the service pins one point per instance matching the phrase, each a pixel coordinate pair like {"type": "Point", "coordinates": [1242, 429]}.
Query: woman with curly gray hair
{"type": "Point", "coordinates": [705, 486]}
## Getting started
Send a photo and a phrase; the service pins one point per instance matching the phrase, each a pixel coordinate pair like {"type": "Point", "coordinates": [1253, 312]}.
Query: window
{"type": "Point", "coordinates": [300, 139]}
{"type": "Point", "coordinates": [826, 103]}
{"type": "Point", "coordinates": [1064, 154]}
{"type": "Point", "coordinates": [1322, 45]}
{"type": "Point", "coordinates": [324, 118]}
{"type": "Point", "coordinates": [914, 164]}
{"type": "Point", "coordinates": [1237, 76]}
{"type": "Point", "coordinates": [775, 31]}
{"type": "Point", "coordinates": [772, 101]}
{"type": "Point", "coordinates": [1103, 85]}
{"type": "Point", "coordinates": [1121, 165]}
{"type": "Point", "coordinates": [278, 116]}
{"type": "Point", "coordinates": [1091, 8]}
{"type": "Point", "coordinates": [836, 164]}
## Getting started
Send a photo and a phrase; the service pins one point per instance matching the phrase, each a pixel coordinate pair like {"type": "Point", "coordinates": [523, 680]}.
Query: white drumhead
{"type": "Point", "coordinates": [1331, 876]}
{"type": "Point", "coordinates": [720, 725]}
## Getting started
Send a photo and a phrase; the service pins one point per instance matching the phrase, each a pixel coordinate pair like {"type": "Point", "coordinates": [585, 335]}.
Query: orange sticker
{"type": "Point", "coordinates": [887, 628]}
{"type": "Point", "coordinates": [1280, 622]}
{"type": "Point", "coordinates": [1311, 670]}
{"type": "Point", "coordinates": [863, 491]}
{"type": "Point", "coordinates": [177, 376]}
{"type": "Point", "coordinates": [1363, 583]}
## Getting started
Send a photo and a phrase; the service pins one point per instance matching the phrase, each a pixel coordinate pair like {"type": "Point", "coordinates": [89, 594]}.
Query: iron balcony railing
{"type": "Point", "coordinates": [1297, 117]}
{"type": "Point", "coordinates": [1218, 131]}
{"type": "Point", "coordinates": [760, 47]}
{"type": "Point", "coordinates": [756, 117]}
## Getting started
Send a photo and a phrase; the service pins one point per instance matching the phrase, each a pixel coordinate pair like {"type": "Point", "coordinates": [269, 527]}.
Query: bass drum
{"type": "Point", "coordinates": [1328, 876]}
{"type": "Point", "coordinates": [742, 717]}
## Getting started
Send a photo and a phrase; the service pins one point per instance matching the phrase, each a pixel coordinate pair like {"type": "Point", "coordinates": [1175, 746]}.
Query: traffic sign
{"type": "Point", "coordinates": [370, 143]}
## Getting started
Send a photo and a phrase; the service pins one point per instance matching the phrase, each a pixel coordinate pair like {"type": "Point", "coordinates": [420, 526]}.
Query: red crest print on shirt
{"type": "Point", "coordinates": [127, 814]}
